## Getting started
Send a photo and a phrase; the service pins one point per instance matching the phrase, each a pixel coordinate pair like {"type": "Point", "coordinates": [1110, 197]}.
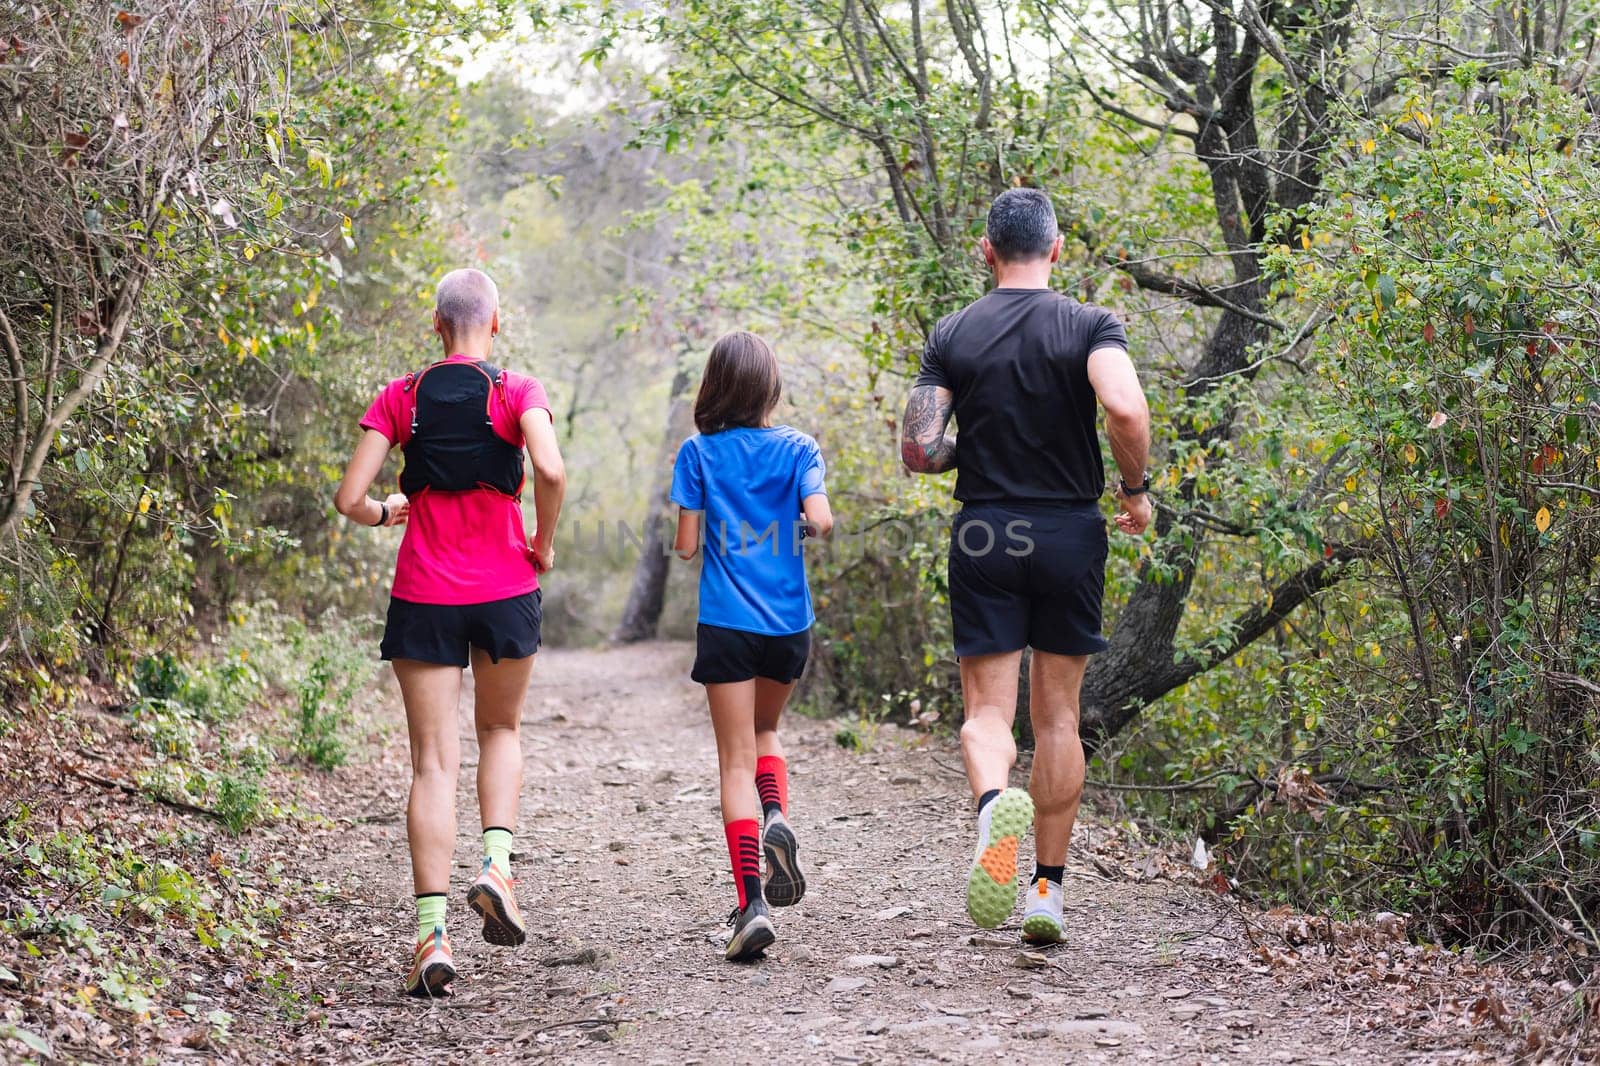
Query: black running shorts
{"type": "Point", "coordinates": [446, 633]}
{"type": "Point", "coordinates": [1027, 575]}
{"type": "Point", "coordinates": [724, 656]}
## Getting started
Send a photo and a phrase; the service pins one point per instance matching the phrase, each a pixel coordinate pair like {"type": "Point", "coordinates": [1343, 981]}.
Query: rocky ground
{"type": "Point", "coordinates": [625, 886]}
{"type": "Point", "coordinates": [624, 881]}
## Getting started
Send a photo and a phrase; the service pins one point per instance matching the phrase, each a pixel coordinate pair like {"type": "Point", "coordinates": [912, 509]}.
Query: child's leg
{"type": "Point", "coordinates": [733, 722]}
{"type": "Point", "coordinates": [772, 775]}
{"type": "Point", "coordinates": [499, 690]}
{"type": "Point", "coordinates": [785, 884]}
{"type": "Point", "coordinates": [431, 693]}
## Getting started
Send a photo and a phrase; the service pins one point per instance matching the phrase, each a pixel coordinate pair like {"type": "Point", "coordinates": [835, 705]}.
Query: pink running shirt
{"type": "Point", "coordinates": [461, 547]}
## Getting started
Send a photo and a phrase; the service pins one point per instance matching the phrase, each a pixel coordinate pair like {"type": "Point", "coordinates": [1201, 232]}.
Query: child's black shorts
{"type": "Point", "coordinates": [446, 633]}
{"type": "Point", "coordinates": [1027, 575]}
{"type": "Point", "coordinates": [724, 656]}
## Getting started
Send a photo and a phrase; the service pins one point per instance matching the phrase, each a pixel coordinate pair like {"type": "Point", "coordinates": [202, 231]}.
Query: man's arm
{"type": "Point", "coordinates": [925, 447]}
{"type": "Point", "coordinates": [549, 482]}
{"type": "Point", "coordinates": [1116, 385]}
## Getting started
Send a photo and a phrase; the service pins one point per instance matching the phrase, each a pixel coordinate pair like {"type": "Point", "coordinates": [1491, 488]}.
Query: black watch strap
{"type": "Point", "coordinates": [1134, 490]}
{"type": "Point", "coordinates": [383, 515]}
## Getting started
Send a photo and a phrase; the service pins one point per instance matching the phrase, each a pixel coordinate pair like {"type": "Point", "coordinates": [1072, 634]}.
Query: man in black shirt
{"type": "Point", "coordinates": [1022, 370]}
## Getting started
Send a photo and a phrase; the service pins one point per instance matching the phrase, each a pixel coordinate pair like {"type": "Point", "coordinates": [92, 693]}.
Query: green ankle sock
{"type": "Point", "coordinates": [430, 914]}
{"type": "Point", "coordinates": [497, 846]}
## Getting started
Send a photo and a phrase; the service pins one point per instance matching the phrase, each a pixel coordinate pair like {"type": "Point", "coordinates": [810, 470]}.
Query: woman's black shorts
{"type": "Point", "coordinates": [724, 656]}
{"type": "Point", "coordinates": [1027, 575]}
{"type": "Point", "coordinates": [446, 633]}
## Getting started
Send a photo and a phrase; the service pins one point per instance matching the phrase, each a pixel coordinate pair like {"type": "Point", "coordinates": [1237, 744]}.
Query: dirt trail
{"type": "Point", "coordinates": [624, 883]}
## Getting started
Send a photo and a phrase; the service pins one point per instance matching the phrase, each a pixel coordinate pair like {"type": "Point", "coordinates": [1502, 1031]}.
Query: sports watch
{"type": "Point", "coordinates": [1134, 490]}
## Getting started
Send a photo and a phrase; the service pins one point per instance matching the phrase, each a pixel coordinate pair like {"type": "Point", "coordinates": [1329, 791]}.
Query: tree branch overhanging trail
{"type": "Point", "coordinates": [1115, 696]}
{"type": "Point", "coordinates": [1260, 154]}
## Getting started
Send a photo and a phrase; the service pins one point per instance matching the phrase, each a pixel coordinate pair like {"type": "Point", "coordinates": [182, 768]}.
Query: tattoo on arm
{"type": "Point", "coordinates": [925, 447]}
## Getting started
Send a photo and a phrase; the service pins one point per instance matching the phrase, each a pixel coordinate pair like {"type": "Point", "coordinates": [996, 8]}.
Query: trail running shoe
{"type": "Point", "coordinates": [493, 895]}
{"type": "Point", "coordinates": [992, 882]}
{"type": "Point", "coordinates": [1041, 917]}
{"type": "Point", "coordinates": [784, 885]}
{"type": "Point", "coordinates": [752, 932]}
{"type": "Point", "coordinates": [432, 968]}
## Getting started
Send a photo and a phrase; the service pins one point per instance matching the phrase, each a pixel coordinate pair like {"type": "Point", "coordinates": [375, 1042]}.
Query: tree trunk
{"type": "Point", "coordinates": [14, 505]}
{"type": "Point", "coordinates": [648, 595]}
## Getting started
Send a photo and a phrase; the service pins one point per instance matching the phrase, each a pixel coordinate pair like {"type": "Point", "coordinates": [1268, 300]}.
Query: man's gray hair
{"type": "Point", "coordinates": [466, 299]}
{"type": "Point", "coordinates": [1021, 225]}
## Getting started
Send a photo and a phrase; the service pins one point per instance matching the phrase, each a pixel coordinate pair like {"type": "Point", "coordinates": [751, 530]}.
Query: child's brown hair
{"type": "Point", "coordinates": [741, 386]}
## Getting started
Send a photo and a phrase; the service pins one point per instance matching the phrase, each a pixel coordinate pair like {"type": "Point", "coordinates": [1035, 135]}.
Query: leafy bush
{"type": "Point", "coordinates": [208, 756]}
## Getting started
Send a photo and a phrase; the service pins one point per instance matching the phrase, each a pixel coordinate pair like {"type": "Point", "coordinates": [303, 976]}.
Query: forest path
{"type": "Point", "coordinates": [625, 888]}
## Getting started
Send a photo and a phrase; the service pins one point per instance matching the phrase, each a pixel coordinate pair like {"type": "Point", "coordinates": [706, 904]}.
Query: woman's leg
{"type": "Point", "coordinates": [498, 693]}
{"type": "Point", "coordinates": [432, 694]}
{"type": "Point", "coordinates": [499, 690]}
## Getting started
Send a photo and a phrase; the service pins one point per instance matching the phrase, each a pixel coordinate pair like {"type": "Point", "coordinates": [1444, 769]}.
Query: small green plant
{"type": "Point", "coordinates": [323, 715]}
{"type": "Point", "coordinates": [159, 677]}
{"type": "Point", "coordinates": [240, 795]}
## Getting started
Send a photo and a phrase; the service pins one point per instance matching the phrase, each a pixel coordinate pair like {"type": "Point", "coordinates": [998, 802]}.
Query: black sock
{"type": "Point", "coordinates": [1049, 873]}
{"type": "Point", "coordinates": [987, 798]}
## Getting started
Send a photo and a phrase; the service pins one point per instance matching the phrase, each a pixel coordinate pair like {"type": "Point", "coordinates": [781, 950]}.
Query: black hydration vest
{"type": "Point", "coordinates": [453, 445]}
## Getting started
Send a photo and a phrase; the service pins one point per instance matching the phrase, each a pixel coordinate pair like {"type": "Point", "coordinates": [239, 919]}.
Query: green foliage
{"type": "Point", "coordinates": [215, 731]}
{"type": "Point", "coordinates": [197, 469]}
{"type": "Point", "coordinates": [1463, 362]}
{"type": "Point", "coordinates": [1428, 742]}
{"type": "Point", "coordinates": [103, 897]}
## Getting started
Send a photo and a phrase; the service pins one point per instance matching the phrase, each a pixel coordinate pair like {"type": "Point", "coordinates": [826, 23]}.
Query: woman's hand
{"type": "Point", "coordinates": [543, 555]}
{"type": "Point", "coordinates": [399, 509]}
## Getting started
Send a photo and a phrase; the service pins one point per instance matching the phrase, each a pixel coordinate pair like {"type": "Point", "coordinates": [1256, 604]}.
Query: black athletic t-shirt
{"type": "Point", "coordinates": [1017, 363]}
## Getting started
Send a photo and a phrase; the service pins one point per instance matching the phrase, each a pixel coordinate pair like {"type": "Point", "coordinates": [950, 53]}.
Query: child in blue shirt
{"type": "Point", "coordinates": [752, 491]}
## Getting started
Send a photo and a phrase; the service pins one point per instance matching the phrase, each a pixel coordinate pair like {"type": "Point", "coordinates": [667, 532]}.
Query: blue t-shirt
{"type": "Point", "coordinates": [749, 484]}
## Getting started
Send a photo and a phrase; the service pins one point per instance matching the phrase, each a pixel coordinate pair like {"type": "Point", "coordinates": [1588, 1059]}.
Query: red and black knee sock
{"type": "Point", "coordinates": [772, 782]}
{"type": "Point", "coordinates": [744, 848]}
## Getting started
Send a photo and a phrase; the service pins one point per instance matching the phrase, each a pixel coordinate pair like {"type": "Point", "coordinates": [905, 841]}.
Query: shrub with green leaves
{"type": "Point", "coordinates": [1458, 718]}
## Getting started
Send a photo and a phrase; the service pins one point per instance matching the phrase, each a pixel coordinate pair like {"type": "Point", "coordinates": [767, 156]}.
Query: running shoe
{"type": "Point", "coordinates": [1041, 918]}
{"type": "Point", "coordinates": [784, 885]}
{"type": "Point", "coordinates": [432, 968]}
{"type": "Point", "coordinates": [992, 881]}
{"type": "Point", "coordinates": [493, 895]}
{"type": "Point", "coordinates": [752, 931]}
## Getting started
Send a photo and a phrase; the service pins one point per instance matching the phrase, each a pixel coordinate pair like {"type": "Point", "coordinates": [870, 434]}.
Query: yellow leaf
{"type": "Point", "coordinates": [1305, 239]}
{"type": "Point", "coordinates": [1369, 146]}
{"type": "Point", "coordinates": [1411, 453]}
{"type": "Point", "coordinates": [1541, 520]}
{"type": "Point", "coordinates": [144, 504]}
{"type": "Point", "coordinates": [1350, 484]}
{"type": "Point", "coordinates": [222, 334]}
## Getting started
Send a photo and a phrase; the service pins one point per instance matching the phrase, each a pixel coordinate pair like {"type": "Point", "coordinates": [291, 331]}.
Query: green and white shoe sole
{"type": "Point", "coordinates": [1041, 929]}
{"type": "Point", "coordinates": [992, 882]}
